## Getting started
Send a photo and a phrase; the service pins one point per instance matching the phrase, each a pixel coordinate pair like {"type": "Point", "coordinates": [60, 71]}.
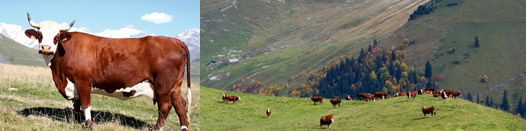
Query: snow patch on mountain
{"type": "Point", "coordinates": [191, 38]}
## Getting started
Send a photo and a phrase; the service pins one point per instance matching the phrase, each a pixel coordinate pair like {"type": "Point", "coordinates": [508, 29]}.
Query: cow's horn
{"type": "Point", "coordinates": [33, 24]}
{"type": "Point", "coordinates": [69, 27]}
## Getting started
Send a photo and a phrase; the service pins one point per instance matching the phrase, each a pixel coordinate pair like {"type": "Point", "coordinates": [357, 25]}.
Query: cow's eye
{"type": "Point", "coordinates": [55, 40]}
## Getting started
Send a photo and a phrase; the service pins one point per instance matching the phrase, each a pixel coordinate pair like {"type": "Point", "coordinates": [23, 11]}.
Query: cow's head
{"type": "Point", "coordinates": [49, 34]}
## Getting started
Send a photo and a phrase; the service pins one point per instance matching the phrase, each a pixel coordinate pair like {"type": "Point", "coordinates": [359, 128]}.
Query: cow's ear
{"type": "Point", "coordinates": [64, 36]}
{"type": "Point", "coordinates": [31, 33]}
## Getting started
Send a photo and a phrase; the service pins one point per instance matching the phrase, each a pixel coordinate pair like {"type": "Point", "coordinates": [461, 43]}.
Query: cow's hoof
{"type": "Point", "coordinates": [89, 125]}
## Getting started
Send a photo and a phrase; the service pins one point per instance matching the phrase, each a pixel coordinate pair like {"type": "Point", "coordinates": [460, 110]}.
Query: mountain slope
{"type": "Point", "coordinates": [284, 38]}
{"type": "Point", "coordinates": [13, 53]}
{"type": "Point", "coordinates": [392, 114]}
{"type": "Point", "coordinates": [500, 28]}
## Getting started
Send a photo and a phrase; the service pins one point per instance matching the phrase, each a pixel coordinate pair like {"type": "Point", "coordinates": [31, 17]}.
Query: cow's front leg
{"type": "Point", "coordinates": [76, 110]}
{"type": "Point", "coordinates": [85, 103]}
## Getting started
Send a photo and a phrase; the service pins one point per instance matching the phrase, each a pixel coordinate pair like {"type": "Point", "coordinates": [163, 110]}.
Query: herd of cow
{"type": "Point", "coordinates": [327, 120]}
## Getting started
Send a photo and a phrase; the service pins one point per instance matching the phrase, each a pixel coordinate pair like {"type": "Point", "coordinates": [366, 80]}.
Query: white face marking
{"type": "Point", "coordinates": [144, 88]}
{"type": "Point", "coordinates": [49, 30]}
{"type": "Point", "coordinates": [184, 127]}
{"type": "Point", "coordinates": [239, 98]}
{"type": "Point", "coordinates": [332, 120]}
{"type": "Point", "coordinates": [87, 113]}
{"type": "Point", "coordinates": [71, 90]}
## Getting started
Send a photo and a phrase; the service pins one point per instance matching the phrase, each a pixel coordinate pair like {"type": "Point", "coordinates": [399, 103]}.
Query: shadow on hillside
{"type": "Point", "coordinates": [97, 116]}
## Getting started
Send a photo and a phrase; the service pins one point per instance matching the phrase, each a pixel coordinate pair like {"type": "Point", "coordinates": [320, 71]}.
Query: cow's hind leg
{"type": "Point", "coordinates": [179, 104]}
{"type": "Point", "coordinates": [164, 107]}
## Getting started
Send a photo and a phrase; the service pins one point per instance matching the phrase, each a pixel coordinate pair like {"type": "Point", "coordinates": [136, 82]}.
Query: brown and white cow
{"type": "Point", "coordinates": [400, 94]}
{"type": "Point", "coordinates": [428, 111]}
{"type": "Point", "coordinates": [436, 94]}
{"type": "Point", "coordinates": [366, 96]}
{"type": "Point", "coordinates": [452, 93]}
{"type": "Point", "coordinates": [349, 97]}
{"type": "Point", "coordinates": [422, 91]}
{"type": "Point", "coordinates": [125, 68]}
{"type": "Point", "coordinates": [411, 94]}
{"type": "Point", "coordinates": [432, 89]}
{"type": "Point", "coordinates": [225, 98]}
{"type": "Point", "coordinates": [232, 98]}
{"type": "Point", "coordinates": [336, 102]}
{"type": "Point", "coordinates": [379, 95]}
{"type": "Point", "coordinates": [268, 113]}
{"type": "Point", "coordinates": [317, 99]}
{"type": "Point", "coordinates": [326, 120]}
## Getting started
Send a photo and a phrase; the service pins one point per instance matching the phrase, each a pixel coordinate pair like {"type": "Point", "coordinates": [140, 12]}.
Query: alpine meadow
{"type": "Point", "coordinates": [465, 58]}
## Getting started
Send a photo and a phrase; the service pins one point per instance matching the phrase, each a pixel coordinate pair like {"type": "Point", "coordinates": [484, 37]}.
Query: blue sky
{"type": "Point", "coordinates": [99, 15]}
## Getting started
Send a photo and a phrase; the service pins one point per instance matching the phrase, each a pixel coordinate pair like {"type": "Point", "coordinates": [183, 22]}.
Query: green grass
{"type": "Point", "coordinates": [18, 54]}
{"type": "Point", "coordinates": [29, 100]}
{"type": "Point", "coordinates": [391, 114]}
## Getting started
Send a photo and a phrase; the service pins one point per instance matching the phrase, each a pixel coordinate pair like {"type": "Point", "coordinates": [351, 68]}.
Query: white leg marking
{"type": "Point", "coordinates": [87, 113]}
{"type": "Point", "coordinates": [184, 127]}
{"type": "Point", "coordinates": [71, 90]}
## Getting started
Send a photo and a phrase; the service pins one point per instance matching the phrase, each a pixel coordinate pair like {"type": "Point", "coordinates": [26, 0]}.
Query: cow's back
{"type": "Point", "coordinates": [115, 63]}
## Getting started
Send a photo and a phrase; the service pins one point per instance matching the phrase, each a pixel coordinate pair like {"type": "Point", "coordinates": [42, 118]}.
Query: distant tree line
{"type": "Point", "coordinates": [374, 70]}
{"type": "Point", "coordinates": [424, 9]}
{"type": "Point", "coordinates": [505, 104]}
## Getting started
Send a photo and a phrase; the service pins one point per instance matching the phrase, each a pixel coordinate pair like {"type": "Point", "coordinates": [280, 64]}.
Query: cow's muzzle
{"type": "Point", "coordinates": [46, 50]}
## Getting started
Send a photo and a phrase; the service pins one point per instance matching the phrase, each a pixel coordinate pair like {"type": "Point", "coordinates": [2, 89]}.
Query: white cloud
{"type": "Point", "coordinates": [157, 18]}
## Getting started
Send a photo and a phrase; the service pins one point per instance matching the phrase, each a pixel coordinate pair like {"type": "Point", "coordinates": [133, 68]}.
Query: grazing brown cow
{"type": "Point", "coordinates": [444, 95]}
{"type": "Point", "coordinates": [422, 91]}
{"type": "Point", "coordinates": [411, 94]}
{"type": "Point", "coordinates": [386, 95]}
{"type": "Point", "coordinates": [232, 98]}
{"type": "Point", "coordinates": [429, 111]}
{"type": "Point", "coordinates": [326, 120]}
{"type": "Point", "coordinates": [225, 98]}
{"type": "Point", "coordinates": [400, 94]}
{"type": "Point", "coordinates": [451, 93]}
{"type": "Point", "coordinates": [336, 101]}
{"type": "Point", "coordinates": [366, 96]}
{"type": "Point", "coordinates": [349, 97]}
{"type": "Point", "coordinates": [83, 64]}
{"type": "Point", "coordinates": [268, 113]}
{"type": "Point", "coordinates": [432, 89]}
{"type": "Point", "coordinates": [379, 95]}
{"type": "Point", "coordinates": [317, 99]}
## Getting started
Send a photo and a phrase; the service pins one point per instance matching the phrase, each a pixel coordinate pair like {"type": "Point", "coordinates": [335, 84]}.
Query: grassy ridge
{"type": "Point", "coordinates": [18, 54]}
{"type": "Point", "coordinates": [499, 26]}
{"type": "Point", "coordinates": [391, 114]}
{"type": "Point", "coordinates": [29, 100]}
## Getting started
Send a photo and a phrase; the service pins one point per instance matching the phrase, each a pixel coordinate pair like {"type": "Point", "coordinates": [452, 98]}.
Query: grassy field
{"type": "Point", "coordinates": [286, 38]}
{"type": "Point", "coordinates": [29, 100]}
{"type": "Point", "coordinates": [499, 26]}
{"type": "Point", "coordinates": [391, 114]}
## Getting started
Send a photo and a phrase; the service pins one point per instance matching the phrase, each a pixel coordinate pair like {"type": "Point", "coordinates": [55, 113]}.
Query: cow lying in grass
{"type": "Point", "coordinates": [429, 111]}
{"type": "Point", "coordinates": [336, 102]}
{"type": "Point", "coordinates": [326, 120]}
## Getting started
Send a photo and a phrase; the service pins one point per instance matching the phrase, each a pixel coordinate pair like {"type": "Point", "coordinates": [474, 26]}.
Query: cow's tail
{"type": "Point", "coordinates": [189, 92]}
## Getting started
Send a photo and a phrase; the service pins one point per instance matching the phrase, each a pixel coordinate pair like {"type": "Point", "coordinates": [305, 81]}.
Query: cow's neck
{"type": "Point", "coordinates": [48, 59]}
